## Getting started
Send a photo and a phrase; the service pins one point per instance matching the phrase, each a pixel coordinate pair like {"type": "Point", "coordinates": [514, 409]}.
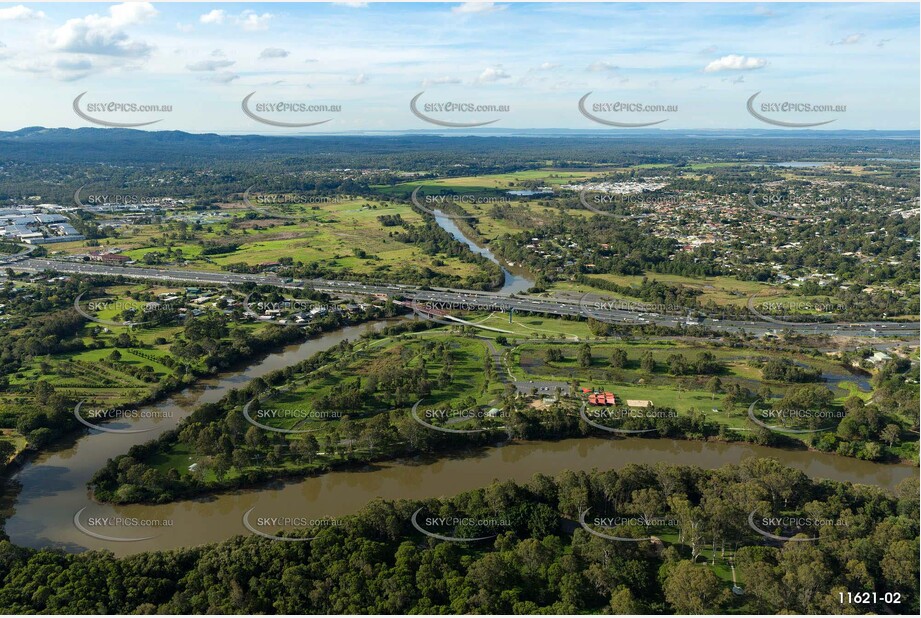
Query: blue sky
{"type": "Point", "coordinates": [700, 62]}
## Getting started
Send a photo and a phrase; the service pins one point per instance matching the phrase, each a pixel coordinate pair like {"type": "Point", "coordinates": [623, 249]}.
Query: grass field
{"type": "Point", "coordinates": [329, 233]}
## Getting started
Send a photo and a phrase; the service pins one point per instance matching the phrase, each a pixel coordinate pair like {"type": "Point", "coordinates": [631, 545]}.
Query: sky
{"type": "Point", "coordinates": [697, 65]}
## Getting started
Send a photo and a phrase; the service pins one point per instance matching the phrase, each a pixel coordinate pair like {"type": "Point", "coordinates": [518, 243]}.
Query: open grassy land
{"type": "Point", "coordinates": [337, 404]}
{"type": "Point", "coordinates": [344, 236]}
{"type": "Point", "coordinates": [683, 393]}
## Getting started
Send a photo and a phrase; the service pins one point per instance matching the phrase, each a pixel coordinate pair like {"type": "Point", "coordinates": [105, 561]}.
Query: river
{"type": "Point", "coordinates": [53, 486]}
{"type": "Point", "coordinates": [516, 279]}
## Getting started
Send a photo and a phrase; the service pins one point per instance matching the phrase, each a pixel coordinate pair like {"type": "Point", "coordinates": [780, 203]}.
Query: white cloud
{"type": "Point", "coordinates": [734, 62]}
{"type": "Point", "coordinates": [492, 74]}
{"type": "Point", "coordinates": [62, 69]}
{"type": "Point", "coordinates": [359, 79]}
{"type": "Point", "coordinates": [602, 66]}
{"type": "Point", "coordinates": [468, 8]}
{"type": "Point", "coordinates": [763, 11]}
{"type": "Point", "coordinates": [353, 5]}
{"type": "Point", "coordinates": [548, 66]}
{"type": "Point", "coordinates": [738, 79]}
{"type": "Point", "coordinates": [274, 52]}
{"type": "Point", "coordinates": [248, 20]}
{"type": "Point", "coordinates": [440, 80]}
{"type": "Point", "coordinates": [20, 13]}
{"type": "Point", "coordinates": [252, 21]}
{"type": "Point", "coordinates": [214, 17]}
{"type": "Point", "coordinates": [209, 65]}
{"type": "Point", "coordinates": [4, 51]}
{"type": "Point", "coordinates": [105, 35]}
{"type": "Point", "coordinates": [882, 42]}
{"type": "Point", "coordinates": [181, 27]}
{"type": "Point", "coordinates": [850, 39]}
{"type": "Point", "coordinates": [223, 77]}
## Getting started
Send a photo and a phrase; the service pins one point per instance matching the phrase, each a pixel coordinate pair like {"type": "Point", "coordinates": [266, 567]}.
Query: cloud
{"type": "Point", "coordinates": [20, 13]}
{"type": "Point", "coordinates": [882, 42]}
{"type": "Point", "coordinates": [105, 35]}
{"type": "Point", "coordinates": [62, 69]}
{"type": "Point", "coordinates": [223, 77]}
{"type": "Point", "coordinates": [733, 62]}
{"type": "Point", "coordinates": [273, 52]}
{"type": "Point", "coordinates": [248, 20]}
{"type": "Point", "coordinates": [850, 39]}
{"type": "Point", "coordinates": [468, 8]}
{"type": "Point", "coordinates": [710, 49]}
{"type": "Point", "coordinates": [548, 66]}
{"type": "Point", "coordinates": [181, 27]}
{"type": "Point", "coordinates": [353, 5]}
{"type": "Point", "coordinates": [359, 79]}
{"type": "Point", "coordinates": [602, 66]}
{"type": "Point", "coordinates": [252, 21]}
{"type": "Point", "coordinates": [440, 80]}
{"type": "Point", "coordinates": [492, 74]}
{"type": "Point", "coordinates": [738, 79]}
{"type": "Point", "coordinates": [210, 65]}
{"type": "Point", "coordinates": [764, 11]}
{"type": "Point", "coordinates": [214, 17]}
{"type": "Point", "coordinates": [4, 53]}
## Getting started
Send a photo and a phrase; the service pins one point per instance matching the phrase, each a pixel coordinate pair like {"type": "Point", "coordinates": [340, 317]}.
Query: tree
{"type": "Point", "coordinates": [618, 358]}
{"type": "Point", "coordinates": [648, 364]}
{"type": "Point", "coordinates": [6, 451]}
{"type": "Point", "coordinates": [585, 355]}
{"type": "Point", "coordinates": [890, 434]}
{"type": "Point", "coordinates": [693, 589]}
{"type": "Point", "coordinates": [714, 385]}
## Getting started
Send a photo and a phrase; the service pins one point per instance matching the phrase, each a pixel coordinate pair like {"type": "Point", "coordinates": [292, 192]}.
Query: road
{"type": "Point", "coordinates": [440, 300]}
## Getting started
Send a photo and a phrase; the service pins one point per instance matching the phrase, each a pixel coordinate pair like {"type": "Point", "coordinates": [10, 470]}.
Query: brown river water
{"type": "Point", "coordinates": [53, 503]}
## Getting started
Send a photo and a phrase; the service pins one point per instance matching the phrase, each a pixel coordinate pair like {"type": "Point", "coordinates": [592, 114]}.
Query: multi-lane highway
{"type": "Point", "coordinates": [442, 299]}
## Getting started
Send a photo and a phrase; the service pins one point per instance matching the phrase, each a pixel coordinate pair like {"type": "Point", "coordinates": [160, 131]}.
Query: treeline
{"type": "Point", "coordinates": [540, 561]}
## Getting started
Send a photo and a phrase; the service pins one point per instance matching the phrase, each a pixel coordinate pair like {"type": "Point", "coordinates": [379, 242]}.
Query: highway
{"type": "Point", "coordinates": [441, 300]}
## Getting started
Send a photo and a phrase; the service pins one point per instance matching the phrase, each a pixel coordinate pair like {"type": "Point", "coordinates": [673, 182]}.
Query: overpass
{"type": "Point", "coordinates": [441, 300]}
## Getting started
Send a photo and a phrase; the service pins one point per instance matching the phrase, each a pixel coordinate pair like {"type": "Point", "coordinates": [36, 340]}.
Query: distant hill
{"type": "Point", "coordinates": [114, 146]}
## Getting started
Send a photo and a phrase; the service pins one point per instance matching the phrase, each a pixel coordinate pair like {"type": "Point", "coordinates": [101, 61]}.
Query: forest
{"type": "Point", "coordinates": [540, 560]}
